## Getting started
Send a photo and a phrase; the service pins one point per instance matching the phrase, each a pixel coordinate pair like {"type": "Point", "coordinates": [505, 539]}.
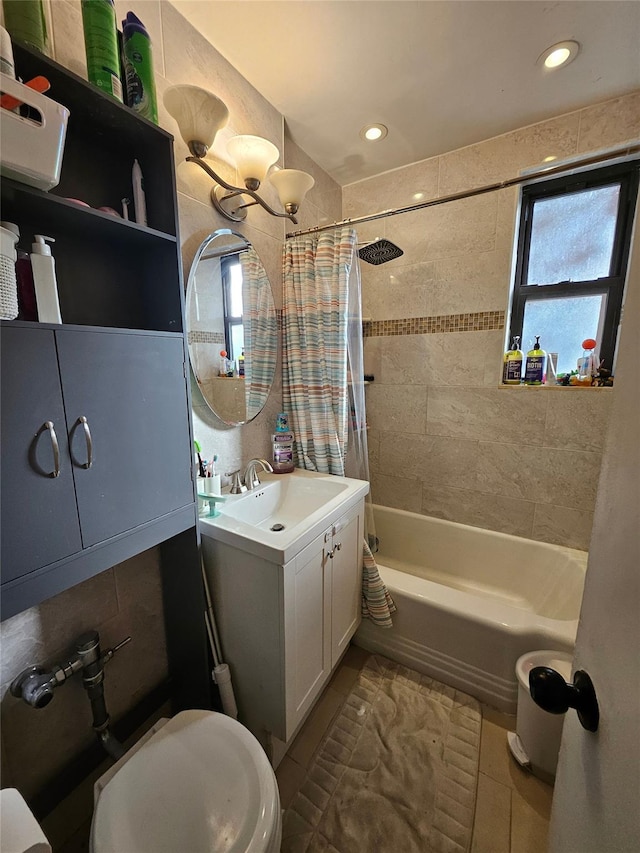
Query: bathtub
{"type": "Point", "coordinates": [471, 601]}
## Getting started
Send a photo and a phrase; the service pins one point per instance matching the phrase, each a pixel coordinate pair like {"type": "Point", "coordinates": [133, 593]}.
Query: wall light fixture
{"type": "Point", "coordinates": [200, 115]}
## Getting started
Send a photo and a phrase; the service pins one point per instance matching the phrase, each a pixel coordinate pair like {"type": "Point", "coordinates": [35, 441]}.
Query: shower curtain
{"type": "Point", "coordinates": [260, 332]}
{"type": "Point", "coordinates": [323, 375]}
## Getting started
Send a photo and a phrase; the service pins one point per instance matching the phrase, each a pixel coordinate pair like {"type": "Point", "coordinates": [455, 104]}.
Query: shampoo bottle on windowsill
{"type": "Point", "coordinates": [534, 367]}
{"type": "Point", "coordinates": [512, 364]}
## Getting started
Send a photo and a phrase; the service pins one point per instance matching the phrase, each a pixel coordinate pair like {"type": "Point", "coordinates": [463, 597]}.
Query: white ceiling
{"type": "Point", "coordinates": [440, 74]}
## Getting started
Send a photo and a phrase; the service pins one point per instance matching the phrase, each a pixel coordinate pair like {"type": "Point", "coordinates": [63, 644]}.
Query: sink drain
{"type": "Point", "coordinates": [277, 528]}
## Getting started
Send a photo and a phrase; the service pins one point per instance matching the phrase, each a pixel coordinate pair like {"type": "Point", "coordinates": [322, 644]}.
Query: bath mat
{"type": "Point", "coordinates": [396, 773]}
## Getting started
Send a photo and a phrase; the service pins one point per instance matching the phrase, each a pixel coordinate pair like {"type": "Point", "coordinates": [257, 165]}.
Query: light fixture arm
{"type": "Point", "coordinates": [239, 191]}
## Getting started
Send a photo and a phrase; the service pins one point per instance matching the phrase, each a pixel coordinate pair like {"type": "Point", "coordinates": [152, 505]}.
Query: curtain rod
{"type": "Point", "coordinates": [510, 182]}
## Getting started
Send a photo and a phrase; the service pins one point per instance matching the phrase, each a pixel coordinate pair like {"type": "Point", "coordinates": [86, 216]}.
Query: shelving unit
{"type": "Point", "coordinates": [119, 360]}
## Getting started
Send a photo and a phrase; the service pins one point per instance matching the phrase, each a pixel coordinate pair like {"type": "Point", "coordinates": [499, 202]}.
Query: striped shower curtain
{"type": "Point", "coordinates": [260, 332]}
{"type": "Point", "coordinates": [317, 272]}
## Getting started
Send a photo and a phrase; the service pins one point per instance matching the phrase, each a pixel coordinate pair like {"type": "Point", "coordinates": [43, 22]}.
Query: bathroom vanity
{"type": "Point", "coordinates": [286, 609]}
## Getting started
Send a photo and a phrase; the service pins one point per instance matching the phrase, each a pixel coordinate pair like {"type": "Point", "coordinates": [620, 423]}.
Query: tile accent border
{"type": "Point", "coordinates": [481, 321]}
{"type": "Point", "coordinates": [201, 336]}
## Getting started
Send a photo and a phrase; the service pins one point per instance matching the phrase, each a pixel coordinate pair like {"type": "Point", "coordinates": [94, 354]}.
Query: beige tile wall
{"type": "Point", "coordinates": [127, 599]}
{"type": "Point", "coordinates": [445, 440]}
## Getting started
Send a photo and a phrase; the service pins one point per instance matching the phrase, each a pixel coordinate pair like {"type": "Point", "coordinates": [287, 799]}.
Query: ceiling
{"type": "Point", "coordinates": [440, 74]}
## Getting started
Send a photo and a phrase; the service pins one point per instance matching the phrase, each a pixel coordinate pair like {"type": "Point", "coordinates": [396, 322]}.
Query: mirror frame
{"type": "Point", "coordinates": [243, 243]}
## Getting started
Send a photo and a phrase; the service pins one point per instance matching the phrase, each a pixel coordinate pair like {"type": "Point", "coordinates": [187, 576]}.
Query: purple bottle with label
{"type": "Point", "coordinates": [282, 446]}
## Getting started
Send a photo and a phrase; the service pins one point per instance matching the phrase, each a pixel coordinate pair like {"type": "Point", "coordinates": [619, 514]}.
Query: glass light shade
{"type": "Point", "coordinates": [199, 114]}
{"type": "Point", "coordinates": [292, 185]}
{"type": "Point", "coordinates": [253, 156]}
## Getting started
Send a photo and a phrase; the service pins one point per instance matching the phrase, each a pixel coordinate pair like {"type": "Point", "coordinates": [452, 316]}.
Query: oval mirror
{"type": "Point", "coordinates": [230, 310]}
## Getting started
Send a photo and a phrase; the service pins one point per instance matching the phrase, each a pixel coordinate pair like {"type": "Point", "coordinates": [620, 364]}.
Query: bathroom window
{"type": "Point", "coordinates": [573, 248]}
{"type": "Point", "coordinates": [232, 296]}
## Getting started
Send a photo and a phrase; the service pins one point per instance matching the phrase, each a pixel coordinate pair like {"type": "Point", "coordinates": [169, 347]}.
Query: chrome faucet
{"type": "Point", "coordinates": [251, 479]}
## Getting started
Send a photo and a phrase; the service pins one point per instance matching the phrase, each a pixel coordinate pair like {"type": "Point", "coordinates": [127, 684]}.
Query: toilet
{"type": "Point", "coordinates": [199, 782]}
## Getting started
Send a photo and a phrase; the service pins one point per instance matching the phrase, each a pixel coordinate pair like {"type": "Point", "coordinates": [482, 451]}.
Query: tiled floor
{"type": "Point", "coordinates": [512, 808]}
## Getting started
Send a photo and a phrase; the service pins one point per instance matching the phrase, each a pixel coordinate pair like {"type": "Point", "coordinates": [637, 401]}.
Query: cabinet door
{"type": "Point", "coordinates": [346, 581]}
{"type": "Point", "coordinates": [307, 630]}
{"type": "Point", "coordinates": [39, 516]}
{"type": "Point", "coordinates": [131, 390]}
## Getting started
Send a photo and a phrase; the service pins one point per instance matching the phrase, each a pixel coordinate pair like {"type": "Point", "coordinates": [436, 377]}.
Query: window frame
{"type": "Point", "coordinates": [611, 286]}
{"type": "Point", "coordinates": [229, 318]}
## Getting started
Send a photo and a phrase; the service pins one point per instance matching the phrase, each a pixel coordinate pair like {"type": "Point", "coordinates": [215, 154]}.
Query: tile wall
{"type": "Point", "coordinates": [444, 438]}
{"type": "Point", "coordinates": [127, 599]}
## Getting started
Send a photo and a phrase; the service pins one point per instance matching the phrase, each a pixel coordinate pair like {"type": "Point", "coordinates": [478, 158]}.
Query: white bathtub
{"type": "Point", "coordinates": [471, 601]}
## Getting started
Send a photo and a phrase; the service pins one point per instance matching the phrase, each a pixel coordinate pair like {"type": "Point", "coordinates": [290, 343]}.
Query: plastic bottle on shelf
{"type": "Point", "coordinates": [225, 365]}
{"type": "Point", "coordinates": [138, 65]}
{"type": "Point", "coordinates": [512, 364]}
{"type": "Point", "coordinates": [101, 46]}
{"type": "Point", "coordinates": [8, 285]}
{"type": "Point", "coordinates": [27, 23]}
{"type": "Point", "coordinates": [534, 366]}
{"type": "Point", "coordinates": [587, 364]}
{"type": "Point", "coordinates": [7, 65]}
{"type": "Point", "coordinates": [241, 364]}
{"type": "Point", "coordinates": [282, 446]}
{"type": "Point", "coordinates": [44, 280]}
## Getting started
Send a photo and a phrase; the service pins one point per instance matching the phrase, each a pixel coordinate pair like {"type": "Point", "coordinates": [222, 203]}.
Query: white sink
{"type": "Point", "coordinates": [284, 514]}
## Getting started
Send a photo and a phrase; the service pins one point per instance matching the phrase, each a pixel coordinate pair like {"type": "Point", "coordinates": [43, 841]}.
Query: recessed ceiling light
{"type": "Point", "coordinates": [559, 54]}
{"type": "Point", "coordinates": [550, 158]}
{"type": "Point", "coordinates": [372, 132]}
{"type": "Point", "coordinates": [418, 196]}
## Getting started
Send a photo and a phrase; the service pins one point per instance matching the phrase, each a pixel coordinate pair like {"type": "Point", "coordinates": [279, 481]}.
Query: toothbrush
{"type": "Point", "coordinates": [212, 466]}
{"type": "Point", "coordinates": [201, 472]}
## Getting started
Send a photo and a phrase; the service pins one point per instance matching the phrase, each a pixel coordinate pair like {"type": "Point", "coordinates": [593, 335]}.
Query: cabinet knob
{"type": "Point", "coordinates": [338, 546]}
{"type": "Point", "coordinates": [330, 553]}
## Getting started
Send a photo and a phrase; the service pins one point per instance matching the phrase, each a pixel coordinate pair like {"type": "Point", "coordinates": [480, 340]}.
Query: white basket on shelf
{"type": "Point", "coordinates": [31, 149]}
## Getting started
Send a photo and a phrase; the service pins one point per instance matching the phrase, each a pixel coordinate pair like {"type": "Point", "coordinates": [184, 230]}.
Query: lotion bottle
{"type": "Point", "coordinates": [44, 279]}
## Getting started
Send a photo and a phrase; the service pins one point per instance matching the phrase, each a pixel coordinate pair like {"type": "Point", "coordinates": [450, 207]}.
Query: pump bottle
{"type": "Point", "coordinates": [44, 279]}
{"type": "Point", "coordinates": [512, 364]}
{"type": "Point", "coordinates": [534, 365]}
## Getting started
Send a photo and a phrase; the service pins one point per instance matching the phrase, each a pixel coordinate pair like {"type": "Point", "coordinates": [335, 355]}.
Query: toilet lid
{"type": "Point", "coordinates": [201, 783]}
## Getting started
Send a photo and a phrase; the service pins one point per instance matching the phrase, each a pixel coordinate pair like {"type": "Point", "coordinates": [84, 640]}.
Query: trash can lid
{"type": "Point", "coordinates": [560, 661]}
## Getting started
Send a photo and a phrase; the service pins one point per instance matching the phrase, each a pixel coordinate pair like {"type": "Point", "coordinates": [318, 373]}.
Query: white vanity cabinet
{"type": "Point", "coordinates": [284, 627]}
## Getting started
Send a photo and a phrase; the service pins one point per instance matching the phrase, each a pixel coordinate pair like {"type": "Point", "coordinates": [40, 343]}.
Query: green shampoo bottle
{"type": "Point", "coordinates": [534, 367]}
{"type": "Point", "coordinates": [101, 45]}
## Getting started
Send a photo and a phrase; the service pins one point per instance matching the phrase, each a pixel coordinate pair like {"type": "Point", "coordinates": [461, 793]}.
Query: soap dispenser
{"type": "Point", "coordinates": [44, 279]}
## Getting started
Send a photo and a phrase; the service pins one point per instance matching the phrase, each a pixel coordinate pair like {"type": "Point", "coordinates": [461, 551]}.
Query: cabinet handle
{"type": "Point", "coordinates": [55, 448]}
{"type": "Point", "coordinates": [338, 546]}
{"type": "Point", "coordinates": [330, 553]}
{"type": "Point", "coordinates": [87, 434]}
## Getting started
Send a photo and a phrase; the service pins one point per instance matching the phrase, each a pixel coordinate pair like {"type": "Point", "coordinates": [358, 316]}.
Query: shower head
{"type": "Point", "coordinates": [379, 252]}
